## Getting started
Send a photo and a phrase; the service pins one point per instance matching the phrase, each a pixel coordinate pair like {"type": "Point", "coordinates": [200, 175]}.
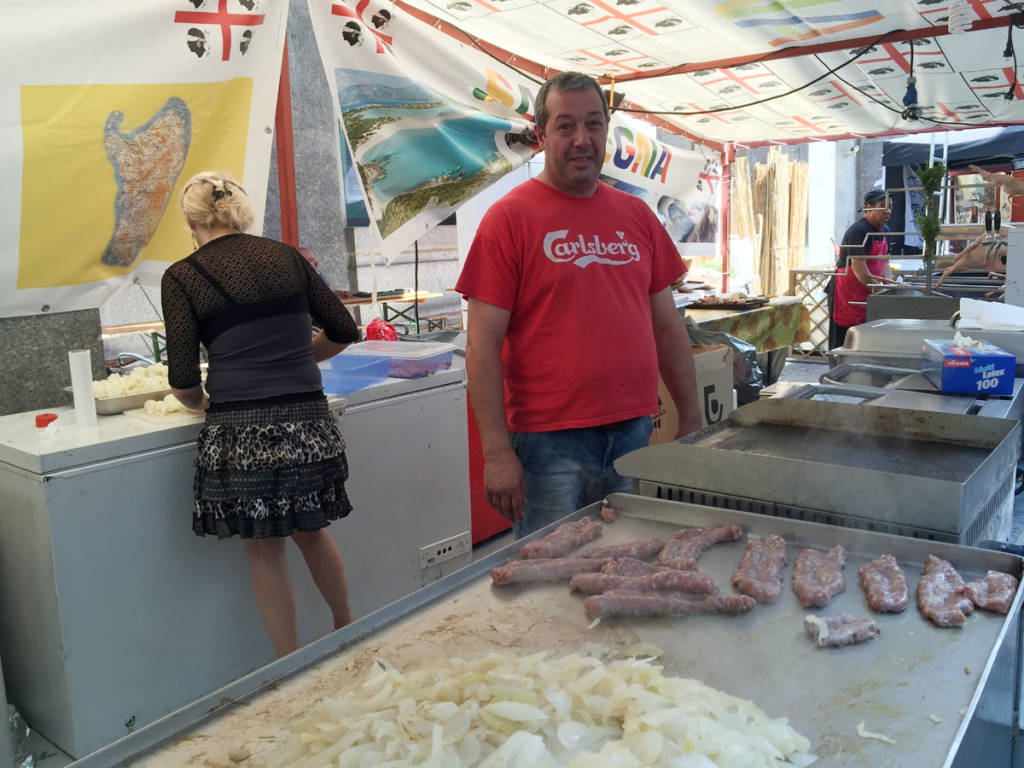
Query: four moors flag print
{"type": "Point", "coordinates": [108, 108]}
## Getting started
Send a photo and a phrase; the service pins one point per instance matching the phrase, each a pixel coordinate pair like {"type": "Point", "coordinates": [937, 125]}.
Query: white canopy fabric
{"type": "Point", "coordinates": [763, 71]}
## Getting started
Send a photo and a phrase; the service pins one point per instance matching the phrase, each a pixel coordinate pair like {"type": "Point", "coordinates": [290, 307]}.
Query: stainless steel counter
{"type": "Point", "coordinates": [936, 474]}
{"type": "Point", "coordinates": [894, 684]}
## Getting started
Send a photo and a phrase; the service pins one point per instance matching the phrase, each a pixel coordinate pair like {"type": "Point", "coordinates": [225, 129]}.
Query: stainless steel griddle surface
{"type": "Point", "coordinates": [894, 683]}
{"type": "Point", "coordinates": [919, 458]}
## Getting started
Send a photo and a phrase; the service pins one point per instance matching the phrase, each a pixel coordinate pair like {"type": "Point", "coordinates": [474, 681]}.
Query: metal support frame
{"type": "Point", "coordinates": [410, 313]}
{"type": "Point", "coordinates": [158, 350]}
{"type": "Point", "coordinates": [809, 284]}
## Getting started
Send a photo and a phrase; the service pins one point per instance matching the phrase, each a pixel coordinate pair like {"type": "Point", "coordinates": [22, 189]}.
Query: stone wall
{"type": "Point", "coordinates": [35, 357]}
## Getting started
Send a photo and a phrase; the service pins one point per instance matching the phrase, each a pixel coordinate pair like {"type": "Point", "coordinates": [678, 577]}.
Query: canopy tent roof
{"type": "Point", "coordinates": [998, 148]}
{"type": "Point", "coordinates": [762, 71]}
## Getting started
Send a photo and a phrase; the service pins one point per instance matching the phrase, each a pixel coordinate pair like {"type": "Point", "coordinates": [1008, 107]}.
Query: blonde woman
{"type": "Point", "coordinates": [270, 462]}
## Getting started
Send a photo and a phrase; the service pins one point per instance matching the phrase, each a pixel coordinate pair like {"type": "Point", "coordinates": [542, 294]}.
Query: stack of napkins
{"type": "Point", "coordinates": [990, 315]}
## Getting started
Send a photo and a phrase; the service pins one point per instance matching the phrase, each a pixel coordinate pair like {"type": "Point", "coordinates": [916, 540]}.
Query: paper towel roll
{"type": "Point", "coordinates": [80, 362]}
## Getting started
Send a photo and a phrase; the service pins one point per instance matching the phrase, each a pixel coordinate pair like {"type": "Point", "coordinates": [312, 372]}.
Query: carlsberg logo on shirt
{"type": "Point", "coordinates": [582, 252]}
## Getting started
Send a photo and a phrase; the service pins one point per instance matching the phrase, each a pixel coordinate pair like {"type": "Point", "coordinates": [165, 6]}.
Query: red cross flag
{"type": "Point", "coordinates": [992, 85]}
{"type": "Point", "coordinates": [101, 137]}
{"type": "Point", "coordinates": [226, 20]}
{"type": "Point", "coordinates": [894, 59]}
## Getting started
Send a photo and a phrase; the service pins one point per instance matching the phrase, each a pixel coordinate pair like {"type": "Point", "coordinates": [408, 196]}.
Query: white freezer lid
{"type": "Point", "coordinates": [64, 445]}
{"type": "Point", "coordinates": [405, 350]}
{"type": "Point", "coordinates": [25, 446]}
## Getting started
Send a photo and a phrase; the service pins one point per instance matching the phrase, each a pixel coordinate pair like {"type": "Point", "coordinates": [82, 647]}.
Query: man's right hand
{"type": "Point", "coordinates": [505, 485]}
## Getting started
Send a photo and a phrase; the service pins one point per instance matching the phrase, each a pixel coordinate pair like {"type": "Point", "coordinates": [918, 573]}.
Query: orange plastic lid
{"type": "Point", "coordinates": [42, 419]}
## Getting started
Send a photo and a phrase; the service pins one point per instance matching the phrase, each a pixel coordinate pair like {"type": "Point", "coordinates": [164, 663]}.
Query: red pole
{"type": "Point", "coordinates": [286, 157]}
{"type": "Point", "coordinates": [723, 230]}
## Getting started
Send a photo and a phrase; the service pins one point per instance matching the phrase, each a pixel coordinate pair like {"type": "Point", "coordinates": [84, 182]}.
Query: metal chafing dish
{"type": "Point", "coordinates": [893, 684]}
{"type": "Point", "coordinates": [894, 387]}
{"type": "Point", "coordinates": [940, 476]}
{"type": "Point", "coordinates": [898, 341]}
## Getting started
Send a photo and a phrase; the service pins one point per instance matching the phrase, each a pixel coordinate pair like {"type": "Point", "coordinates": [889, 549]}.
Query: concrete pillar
{"type": "Point", "coordinates": [821, 202]}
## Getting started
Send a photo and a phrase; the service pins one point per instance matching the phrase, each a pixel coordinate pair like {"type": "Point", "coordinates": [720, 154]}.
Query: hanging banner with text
{"type": "Point", "coordinates": [682, 186]}
{"type": "Point", "coordinates": [111, 107]}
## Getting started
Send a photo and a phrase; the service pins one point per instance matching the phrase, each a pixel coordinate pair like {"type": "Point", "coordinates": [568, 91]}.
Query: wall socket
{"type": "Point", "coordinates": [446, 549]}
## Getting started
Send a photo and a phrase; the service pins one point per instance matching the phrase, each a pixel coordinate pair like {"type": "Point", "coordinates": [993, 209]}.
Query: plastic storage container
{"type": "Point", "coordinates": [343, 374]}
{"type": "Point", "coordinates": [406, 359]}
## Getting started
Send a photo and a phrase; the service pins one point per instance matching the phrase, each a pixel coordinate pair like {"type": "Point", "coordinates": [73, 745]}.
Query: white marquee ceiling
{"type": "Point", "coordinates": [723, 58]}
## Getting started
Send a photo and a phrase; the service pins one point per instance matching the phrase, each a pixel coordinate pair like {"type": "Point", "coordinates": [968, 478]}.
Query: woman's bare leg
{"type": "Point", "coordinates": [325, 565]}
{"type": "Point", "coordinates": [269, 571]}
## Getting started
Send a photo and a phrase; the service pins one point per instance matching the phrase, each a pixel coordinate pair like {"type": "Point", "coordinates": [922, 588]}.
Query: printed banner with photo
{"type": "Point", "coordinates": [100, 138]}
{"type": "Point", "coordinates": [682, 186]}
{"type": "Point", "coordinates": [431, 122]}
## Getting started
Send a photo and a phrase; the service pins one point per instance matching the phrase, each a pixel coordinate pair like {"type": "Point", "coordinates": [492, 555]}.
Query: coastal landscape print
{"type": "Point", "coordinates": [416, 150]}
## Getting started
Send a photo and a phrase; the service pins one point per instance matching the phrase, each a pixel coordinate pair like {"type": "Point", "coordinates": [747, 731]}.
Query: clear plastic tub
{"type": "Point", "coordinates": [343, 374]}
{"type": "Point", "coordinates": [406, 359]}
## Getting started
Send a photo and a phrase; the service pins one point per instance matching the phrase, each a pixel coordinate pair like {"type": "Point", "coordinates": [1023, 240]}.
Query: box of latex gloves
{"type": "Point", "coordinates": [713, 366]}
{"type": "Point", "coordinates": [965, 365]}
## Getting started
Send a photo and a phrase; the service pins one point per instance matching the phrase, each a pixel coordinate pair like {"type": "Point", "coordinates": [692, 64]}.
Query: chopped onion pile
{"type": "Point", "coordinates": [165, 407]}
{"type": "Point", "coordinates": [503, 711]}
{"type": "Point", "coordinates": [149, 378]}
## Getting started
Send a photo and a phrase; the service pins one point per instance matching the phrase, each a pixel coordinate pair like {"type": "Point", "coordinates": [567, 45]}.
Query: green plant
{"type": "Point", "coordinates": [929, 222]}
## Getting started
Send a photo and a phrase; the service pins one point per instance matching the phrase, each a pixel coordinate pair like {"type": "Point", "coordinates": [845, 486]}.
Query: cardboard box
{"type": "Point", "coordinates": [984, 369]}
{"type": "Point", "coordinates": [713, 365]}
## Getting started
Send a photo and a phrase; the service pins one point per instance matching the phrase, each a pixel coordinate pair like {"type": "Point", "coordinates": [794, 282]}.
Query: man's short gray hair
{"type": "Point", "coordinates": [565, 81]}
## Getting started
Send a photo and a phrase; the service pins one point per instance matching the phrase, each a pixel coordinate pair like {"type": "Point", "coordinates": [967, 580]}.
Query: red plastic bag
{"type": "Point", "coordinates": [378, 330]}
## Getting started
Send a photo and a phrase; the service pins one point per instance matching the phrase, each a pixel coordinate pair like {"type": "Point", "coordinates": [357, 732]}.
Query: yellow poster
{"type": "Point", "coordinates": [103, 170]}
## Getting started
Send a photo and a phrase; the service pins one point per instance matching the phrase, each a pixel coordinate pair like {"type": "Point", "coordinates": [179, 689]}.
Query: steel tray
{"type": "Point", "coordinates": [751, 303]}
{"type": "Point", "coordinates": [108, 406]}
{"type": "Point", "coordinates": [898, 341]}
{"type": "Point", "coordinates": [893, 684]}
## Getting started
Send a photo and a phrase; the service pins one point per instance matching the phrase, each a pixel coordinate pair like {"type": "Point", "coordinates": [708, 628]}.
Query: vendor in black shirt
{"type": "Point", "coordinates": [866, 236]}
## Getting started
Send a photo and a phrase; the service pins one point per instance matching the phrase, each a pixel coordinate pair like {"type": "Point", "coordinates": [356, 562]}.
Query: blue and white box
{"type": "Point", "coordinates": [979, 369]}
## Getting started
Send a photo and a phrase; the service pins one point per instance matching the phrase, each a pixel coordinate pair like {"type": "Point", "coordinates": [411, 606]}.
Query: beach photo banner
{"type": "Point", "coordinates": [429, 122]}
{"type": "Point", "coordinates": [111, 108]}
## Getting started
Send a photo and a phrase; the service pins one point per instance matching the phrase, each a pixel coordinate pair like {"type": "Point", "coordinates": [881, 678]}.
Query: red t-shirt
{"type": "Point", "coordinates": [849, 288]}
{"type": "Point", "coordinates": [577, 275]}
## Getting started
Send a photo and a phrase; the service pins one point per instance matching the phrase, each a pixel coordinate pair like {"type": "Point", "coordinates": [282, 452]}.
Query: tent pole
{"type": "Point", "coordinates": [286, 157]}
{"type": "Point", "coordinates": [726, 219]}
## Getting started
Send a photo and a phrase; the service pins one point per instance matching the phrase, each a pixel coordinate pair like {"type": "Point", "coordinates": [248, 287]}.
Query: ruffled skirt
{"type": "Point", "coordinates": [269, 468]}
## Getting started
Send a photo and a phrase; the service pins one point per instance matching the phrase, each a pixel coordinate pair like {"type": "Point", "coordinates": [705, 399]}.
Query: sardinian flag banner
{"type": "Point", "coordinates": [430, 122]}
{"type": "Point", "coordinates": [108, 108]}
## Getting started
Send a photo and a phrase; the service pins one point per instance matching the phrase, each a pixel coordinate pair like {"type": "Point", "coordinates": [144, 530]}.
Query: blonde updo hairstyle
{"type": "Point", "coordinates": [214, 199]}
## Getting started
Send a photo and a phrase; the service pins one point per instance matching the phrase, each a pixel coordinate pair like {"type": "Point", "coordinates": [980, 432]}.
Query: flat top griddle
{"type": "Point", "coordinates": [904, 456]}
{"type": "Point", "coordinates": [893, 683]}
{"type": "Point", "coordinates": [931, 471]}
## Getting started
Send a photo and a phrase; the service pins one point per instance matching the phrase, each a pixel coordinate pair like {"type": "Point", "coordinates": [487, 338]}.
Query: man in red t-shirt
{"type": "Point", "coordinates": [571, 319]}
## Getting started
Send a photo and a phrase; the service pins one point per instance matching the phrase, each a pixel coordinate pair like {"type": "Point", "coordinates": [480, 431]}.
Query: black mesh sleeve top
{"type": "Point", "coordinates": [249, 300]}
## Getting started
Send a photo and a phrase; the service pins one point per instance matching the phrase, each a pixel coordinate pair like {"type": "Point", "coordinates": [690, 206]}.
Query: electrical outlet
{"type": "Point", "coordinates": [446, 549]}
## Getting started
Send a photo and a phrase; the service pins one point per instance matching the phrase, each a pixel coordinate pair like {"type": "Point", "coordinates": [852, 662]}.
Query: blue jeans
{"type": "Point", "coordinates": [571, 468]}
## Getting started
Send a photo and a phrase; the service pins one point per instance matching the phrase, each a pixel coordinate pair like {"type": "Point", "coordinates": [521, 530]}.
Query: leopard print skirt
{"type": "Point", "coordinates": [269, 468]}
